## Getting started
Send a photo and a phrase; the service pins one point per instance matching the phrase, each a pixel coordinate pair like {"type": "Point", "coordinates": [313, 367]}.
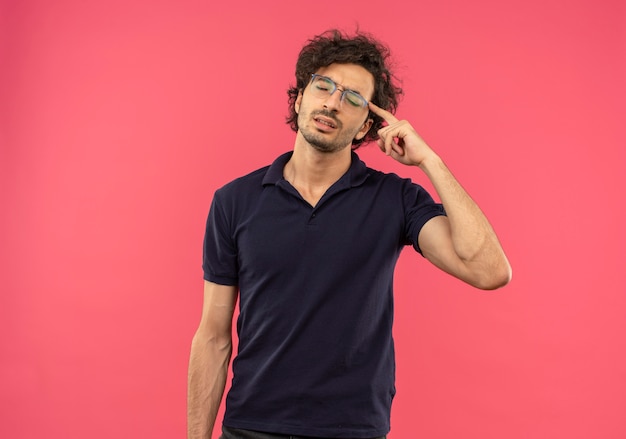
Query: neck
{"type": "Point", "coordinates": [312, 172]}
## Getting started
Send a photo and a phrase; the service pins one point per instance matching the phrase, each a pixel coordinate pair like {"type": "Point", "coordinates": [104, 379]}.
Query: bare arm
{"type": "Point", "coordinates": [463, 244]}
{"type": "Point", "coordinates": [211, 350]}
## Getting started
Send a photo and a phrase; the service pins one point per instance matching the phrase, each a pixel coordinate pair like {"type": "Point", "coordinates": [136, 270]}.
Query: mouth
{"type": "Point", "coordinates": [325, 122]}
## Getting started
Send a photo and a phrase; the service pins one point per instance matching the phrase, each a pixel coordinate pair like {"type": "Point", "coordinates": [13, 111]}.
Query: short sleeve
{"type": "Point", "coordinates": [419, 208]}
{"type": "Point", "coordinates": [219, 257]}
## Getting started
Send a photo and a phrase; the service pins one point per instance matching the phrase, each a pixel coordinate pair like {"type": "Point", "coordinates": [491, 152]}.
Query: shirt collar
{"type": "Point", "coordinates": [355, 176]}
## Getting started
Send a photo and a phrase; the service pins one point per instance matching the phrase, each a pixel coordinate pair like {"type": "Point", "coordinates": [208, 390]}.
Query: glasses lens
{"type": "Point", "coordinates": [354, 99]}
{"type": "Point", "coordinates": [322, 85]}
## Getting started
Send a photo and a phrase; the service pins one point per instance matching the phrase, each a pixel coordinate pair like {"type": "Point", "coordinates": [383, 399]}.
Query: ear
{"type": "Point", "coordinates": [296, 105]}
{"type": "Point", "coordinates": [364, 129]}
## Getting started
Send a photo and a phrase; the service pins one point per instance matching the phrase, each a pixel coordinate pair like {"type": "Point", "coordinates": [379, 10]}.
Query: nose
{"type": "Point", "coordinates": [333, 101]}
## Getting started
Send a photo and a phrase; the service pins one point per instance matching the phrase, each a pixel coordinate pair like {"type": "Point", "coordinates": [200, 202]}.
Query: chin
{"type": "Point", "coordinates": [321, 144]}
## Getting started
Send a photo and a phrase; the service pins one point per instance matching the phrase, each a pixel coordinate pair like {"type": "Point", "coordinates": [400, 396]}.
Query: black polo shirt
{"type": "Point", "coordinates": [315, 354]}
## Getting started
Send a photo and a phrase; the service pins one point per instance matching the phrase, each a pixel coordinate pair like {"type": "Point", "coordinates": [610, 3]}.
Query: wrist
{"type": "Point", "coordinates": [430, 163]}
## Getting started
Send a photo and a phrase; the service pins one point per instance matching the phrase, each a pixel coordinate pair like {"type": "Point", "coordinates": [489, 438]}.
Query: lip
{"type": "Point", "coordinates": [325, 123]}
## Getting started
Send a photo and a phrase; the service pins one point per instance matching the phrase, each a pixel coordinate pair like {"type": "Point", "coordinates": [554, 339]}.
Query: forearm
{"type": "Point", "coordinates": [208, 368]}
{"type": "Point", "coordinates": [473, 238]}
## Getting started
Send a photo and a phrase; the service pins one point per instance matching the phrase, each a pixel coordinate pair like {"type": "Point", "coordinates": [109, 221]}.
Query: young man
{"type": "Point", "coordinates": [310, 244]}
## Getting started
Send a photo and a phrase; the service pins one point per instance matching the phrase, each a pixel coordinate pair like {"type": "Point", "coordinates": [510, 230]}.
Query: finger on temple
{"type": "Point", "coordinates": [386, 115]}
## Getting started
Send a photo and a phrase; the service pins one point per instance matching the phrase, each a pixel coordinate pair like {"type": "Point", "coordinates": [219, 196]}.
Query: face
{"type": "Point", "coordinates": [325, 122]}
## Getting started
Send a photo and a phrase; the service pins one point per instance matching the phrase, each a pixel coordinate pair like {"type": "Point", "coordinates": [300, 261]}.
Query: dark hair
{"type": "Point", "coordinates": [333, 46]}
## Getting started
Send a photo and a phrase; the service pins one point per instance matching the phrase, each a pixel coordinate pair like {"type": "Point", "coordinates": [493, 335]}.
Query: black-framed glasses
{"type": "Point", "coordinates": [323, 86]}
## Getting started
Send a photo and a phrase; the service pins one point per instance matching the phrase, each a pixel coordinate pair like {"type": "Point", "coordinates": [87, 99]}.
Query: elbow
{"type": "Point", "coordinates": [213, 341]}
{"type": "Point", "coordinates": [494, 279]}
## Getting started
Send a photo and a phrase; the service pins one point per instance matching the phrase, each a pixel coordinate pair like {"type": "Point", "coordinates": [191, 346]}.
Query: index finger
{"type": "Point", "coordinates": [389, 118]}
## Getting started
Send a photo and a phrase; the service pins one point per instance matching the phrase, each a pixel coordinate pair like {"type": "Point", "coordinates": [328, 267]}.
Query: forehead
{"type": "Point", "coordinates": [351, 76]}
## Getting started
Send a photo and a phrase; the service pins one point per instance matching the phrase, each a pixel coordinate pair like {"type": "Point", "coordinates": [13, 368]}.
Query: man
{"type": "Point", "coordinates": [310, 244]}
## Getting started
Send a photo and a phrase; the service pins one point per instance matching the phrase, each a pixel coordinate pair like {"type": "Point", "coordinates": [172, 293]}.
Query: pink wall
{"type": "Point", "coordinates": [119, 119]}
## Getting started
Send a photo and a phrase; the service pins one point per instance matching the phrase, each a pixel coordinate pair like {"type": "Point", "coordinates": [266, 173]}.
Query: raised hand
{"type": "Point", "coordinates": [400, 140]}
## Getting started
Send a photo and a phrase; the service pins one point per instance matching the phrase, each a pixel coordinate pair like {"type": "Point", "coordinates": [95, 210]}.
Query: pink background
{"type": "Point", "coordinates": [120, 118]}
